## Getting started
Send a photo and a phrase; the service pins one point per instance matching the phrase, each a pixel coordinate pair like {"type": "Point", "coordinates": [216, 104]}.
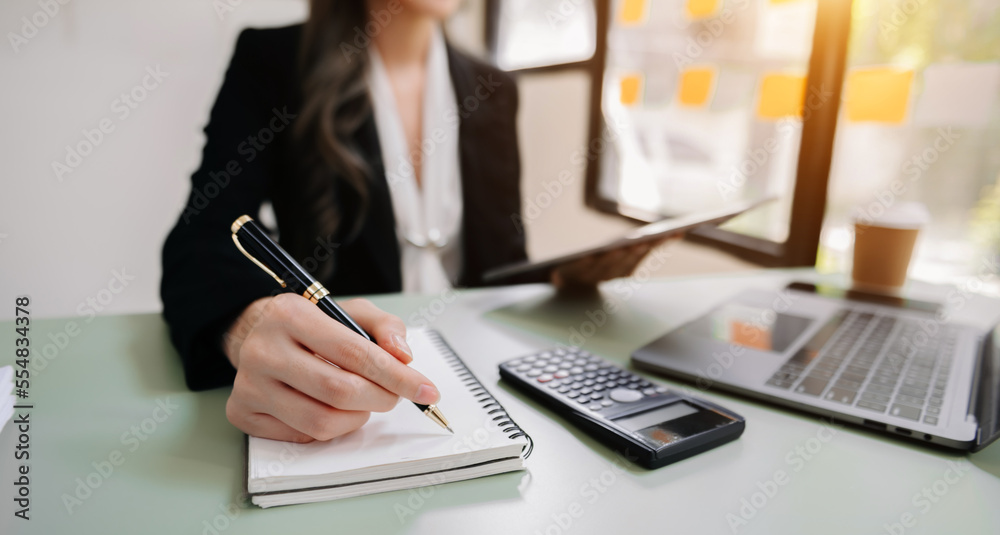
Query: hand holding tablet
{"type": "Point", "coordinates": [619, 256]}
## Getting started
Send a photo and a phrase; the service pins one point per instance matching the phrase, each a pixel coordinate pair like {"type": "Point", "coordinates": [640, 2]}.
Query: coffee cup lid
{"type": "Point", "coordinates": [902, 215]}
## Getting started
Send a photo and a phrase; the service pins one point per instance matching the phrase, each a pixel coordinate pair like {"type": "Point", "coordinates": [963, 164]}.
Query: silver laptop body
{"type": "Point", "coordinates": [892, 365]}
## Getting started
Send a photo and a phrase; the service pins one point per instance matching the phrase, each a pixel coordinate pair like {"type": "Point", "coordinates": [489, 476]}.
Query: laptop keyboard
{"type": "Point", "coordinates": [884, 364]}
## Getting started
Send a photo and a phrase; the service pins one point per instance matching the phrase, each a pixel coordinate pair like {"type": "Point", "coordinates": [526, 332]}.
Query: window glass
{"type": "Point", "coordinates": [920, 121]}
{"type": "Point", "coordinates": [537, 33]}
{"type": "Point", "coordinates": [705, 99]}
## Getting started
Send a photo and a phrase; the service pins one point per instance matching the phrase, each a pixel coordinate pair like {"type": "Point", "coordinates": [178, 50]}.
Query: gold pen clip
{"type": "Point", "coordinates": [236, 226]}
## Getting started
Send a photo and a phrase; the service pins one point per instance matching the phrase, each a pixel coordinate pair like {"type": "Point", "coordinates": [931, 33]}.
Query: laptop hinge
{"type": "Point", "coordinates": [986, 401]}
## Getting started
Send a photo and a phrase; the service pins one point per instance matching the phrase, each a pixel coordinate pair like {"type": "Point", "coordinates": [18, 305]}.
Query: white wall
{"type": "Point", "coordinates": [62, 240]}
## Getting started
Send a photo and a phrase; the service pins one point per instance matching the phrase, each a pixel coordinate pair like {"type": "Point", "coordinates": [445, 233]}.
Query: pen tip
{"type": "Point", "coordinates": [449, 429]}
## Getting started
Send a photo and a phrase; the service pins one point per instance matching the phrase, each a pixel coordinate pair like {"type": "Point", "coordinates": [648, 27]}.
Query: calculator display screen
{"type": "Point", "coordinates": [655, 416]}
{"type": "Point", "coordinates": [671, 423]}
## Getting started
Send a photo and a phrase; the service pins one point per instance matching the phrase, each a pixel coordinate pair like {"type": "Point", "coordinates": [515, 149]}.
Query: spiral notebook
{"type": "Point", "coordinates": [399, 449]}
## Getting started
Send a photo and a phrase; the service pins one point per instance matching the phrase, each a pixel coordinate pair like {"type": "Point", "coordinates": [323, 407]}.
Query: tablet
{"type": "Point", "coordinates": [658, 230]}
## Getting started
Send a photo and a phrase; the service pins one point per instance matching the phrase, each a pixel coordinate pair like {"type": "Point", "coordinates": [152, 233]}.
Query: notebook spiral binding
{"type": "Point", "coordinates": [483, 396]}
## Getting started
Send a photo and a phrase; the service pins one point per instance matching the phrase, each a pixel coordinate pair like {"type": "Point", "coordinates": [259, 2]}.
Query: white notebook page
{"type": "Point", "coordinates": [393, 444]}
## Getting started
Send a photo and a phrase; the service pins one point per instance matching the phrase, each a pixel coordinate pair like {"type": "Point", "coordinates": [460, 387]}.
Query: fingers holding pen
{"type": "Point", "coordinates": [341, 346]}
{"type": "Point", "coordinates": [332, 385]}
{"type": "Point", "coordinates": [387, 329]}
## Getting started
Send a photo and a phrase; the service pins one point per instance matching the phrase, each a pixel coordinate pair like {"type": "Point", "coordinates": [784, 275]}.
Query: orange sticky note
{"type": "Point", "coordinates": [695, 86]}
{"type": "Point", "coordinates": [633, 11]}
{"type": "Point", "coordinates": [631, 89]}
{"type": "Point", "coordinates": [880, 94]}
{"type": "Point", "coordinates": [699, 9]}
{"type": "Point", "coordinates": [781, 95]}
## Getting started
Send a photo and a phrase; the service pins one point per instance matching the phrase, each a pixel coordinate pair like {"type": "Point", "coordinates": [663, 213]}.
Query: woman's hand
{"type": "Point", "coordinates": [584, 274]}
{"type": "Point", "coordinates": [286, 388]}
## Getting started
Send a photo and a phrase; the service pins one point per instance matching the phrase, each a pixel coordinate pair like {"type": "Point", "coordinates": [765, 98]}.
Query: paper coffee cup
{"type": "Point", "coordinates": [883, 245]}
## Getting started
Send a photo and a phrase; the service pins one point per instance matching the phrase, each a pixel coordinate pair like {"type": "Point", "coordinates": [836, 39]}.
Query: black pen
{"type": "Point", "coordinates": [253, 242]}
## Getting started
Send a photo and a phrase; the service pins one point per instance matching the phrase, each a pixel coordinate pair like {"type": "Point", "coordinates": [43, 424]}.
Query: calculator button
{"type": "Point", "coordinates": [534, 373]}
{"type": "Point", "coordinates": [645, 384]}
{"type": "Point", "coordinates": [573, 394]}
{"type": "Point", "coordinates": [621, 382]}
{"type": "Point", "coordinates": [541, 363]}
{"type": "Point", "coordinates": [661, 389]}
{"type": "Point", "coordinates": [590, 367]}
{"type": "Point", "coordinates": [515, 363]}
{"type": "Point", "coordinates": [530, 358]}
{"type": "Point", "coordinates": [580, 362]}
{"type": "Point", "coordinates": [565, 365]}
{"type": "Point", "coordinates": [600, 379]}
{"type": "Point", "coordinates": [588, 382]}
{"type": "Point", "coordinates": [596, 395]}
{"type": "Point", "coordinates": [555, 384]}
{"type": "Point", "coordinates": [524, 367]}
{"type": "Point", "coordinates": [576, 386]}
{"type": "Point", "coordinates": [586, 391]}
{"type": "Point", "coordinates": [545, 354]}
{"type": "Point", "coordinates": [561, 374]}
{"type": "Point", "coordinates": [603, 371]}
{"type": "Point", "coordinates": [563, 389]}
{"type": "Point", "coordinates": [633, 386]}
{"type": "Point", "coordinates": [545, 377]}
{"type": "Point", "coordinates": [607, 402]}
{"type": "Point", "coordinates": [649, 391]}
{"type": "Point", "coordinates": [560, 351]}
{"type": "Point", "coordinates": [583, 399]}
{"type": "Point", "coordinates": [598, 387]}
{"type": "Point", "coordinates": [590, 375]}
{"type": "Point", "coordinates": [623, 395]}
{"type": "Point", "coordinates": [576, 369]}
{"type": "Point", "coordinates": [595, 406]}
{"type": "Point", "coordinates": [551, 368]}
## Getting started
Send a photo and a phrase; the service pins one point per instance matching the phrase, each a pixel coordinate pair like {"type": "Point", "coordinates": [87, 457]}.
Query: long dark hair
{"type": "Point", "coordinates": [335, 104]}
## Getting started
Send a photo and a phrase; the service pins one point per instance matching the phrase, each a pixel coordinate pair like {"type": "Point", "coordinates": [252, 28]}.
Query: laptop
{"type": "Point", "coordinates": [886, 363]}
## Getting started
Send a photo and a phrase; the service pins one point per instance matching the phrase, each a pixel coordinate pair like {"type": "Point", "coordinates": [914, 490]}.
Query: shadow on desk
{"type": "Point", "coordinates": [988, 459]}
{"type": "Point", "coordinates": [603, 324]}
{"type": "Point", "coordinates": [206, 440]}
{"type": "Point", "coordinates": [202, 450]}
{"type": "Point", "coordinates": [599, 321]}
{"type": "Point", "coordinates": [672, 474]}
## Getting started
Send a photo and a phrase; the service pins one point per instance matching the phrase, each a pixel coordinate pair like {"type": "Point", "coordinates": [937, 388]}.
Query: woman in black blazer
{"type": "Point", "coordinates": [293, 125]}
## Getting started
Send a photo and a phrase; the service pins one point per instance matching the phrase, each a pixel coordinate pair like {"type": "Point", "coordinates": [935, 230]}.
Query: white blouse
{"type": "Point", "coordinates": [429, 216]}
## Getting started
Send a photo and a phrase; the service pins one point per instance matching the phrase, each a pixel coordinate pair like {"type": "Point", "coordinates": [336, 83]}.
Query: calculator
{"type": "Point", "coordinates": [646, 422]}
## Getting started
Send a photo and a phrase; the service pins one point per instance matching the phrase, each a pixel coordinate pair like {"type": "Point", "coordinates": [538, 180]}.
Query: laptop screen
{"type": "Point", "coordinates": [753, 327]}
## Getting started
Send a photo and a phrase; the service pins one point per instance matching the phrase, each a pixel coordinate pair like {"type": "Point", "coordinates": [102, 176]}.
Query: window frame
{"type": "Point", "coordinates": [827, 65]}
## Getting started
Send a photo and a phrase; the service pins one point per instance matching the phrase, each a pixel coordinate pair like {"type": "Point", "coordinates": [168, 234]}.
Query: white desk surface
{"type": "Point", "coordinates": [186, 477]}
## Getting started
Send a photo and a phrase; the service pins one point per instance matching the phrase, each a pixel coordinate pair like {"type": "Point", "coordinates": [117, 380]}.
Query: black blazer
{"type": "Point", "coordinates": [207, 282]}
